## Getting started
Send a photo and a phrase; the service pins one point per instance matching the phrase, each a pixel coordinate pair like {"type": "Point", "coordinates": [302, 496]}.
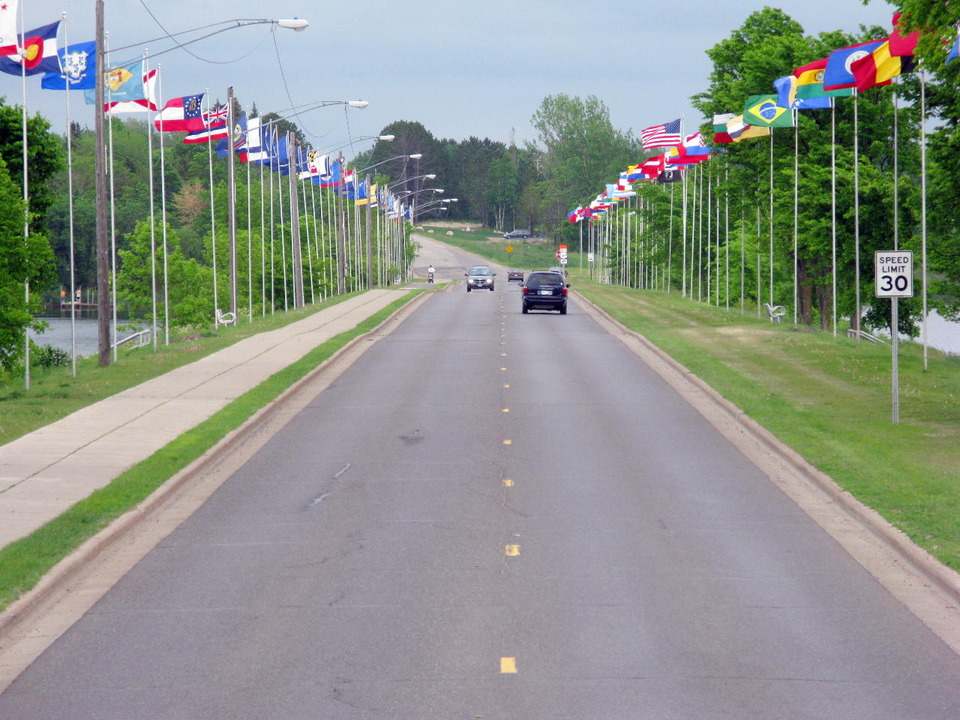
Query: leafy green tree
{"type": "Point", "coordinates": [582, 151]}
{"type": "Point", "coordinates": [22, 261]}
{"type": "Point", "coordinates": [190, 283]}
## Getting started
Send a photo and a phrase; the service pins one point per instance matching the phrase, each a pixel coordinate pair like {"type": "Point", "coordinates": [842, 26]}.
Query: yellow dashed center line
{"type": "Point", "coordinates": [507, 482]}
{"type": "Point", "coordinates": [512, 551]}
{"type": "Point", "coordinates": [508, 665]}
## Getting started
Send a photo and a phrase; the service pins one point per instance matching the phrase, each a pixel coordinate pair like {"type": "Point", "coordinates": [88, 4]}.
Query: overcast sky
{"type": "Point", "coordinates": [461, 68]}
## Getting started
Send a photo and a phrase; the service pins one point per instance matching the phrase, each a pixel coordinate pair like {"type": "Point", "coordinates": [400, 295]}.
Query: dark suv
{"type": "Point", "coordinates": [545, 291]}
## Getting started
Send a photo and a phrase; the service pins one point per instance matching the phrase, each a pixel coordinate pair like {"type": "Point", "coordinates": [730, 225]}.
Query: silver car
{"type": "Point", "coordinates": [480, 277]}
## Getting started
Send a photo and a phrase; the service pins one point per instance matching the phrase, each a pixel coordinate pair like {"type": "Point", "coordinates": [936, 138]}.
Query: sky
{"type": "Point", "coordinates": [460, 68]}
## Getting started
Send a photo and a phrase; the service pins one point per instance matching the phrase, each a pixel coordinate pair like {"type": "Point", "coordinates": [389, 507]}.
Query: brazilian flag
{"type": "Point", "coordinates": [763, 111]}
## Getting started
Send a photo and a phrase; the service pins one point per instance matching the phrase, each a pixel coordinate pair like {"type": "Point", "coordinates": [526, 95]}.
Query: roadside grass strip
{"type": "Point", "coordinates": [827, 398]}
{"type": "Point", "coordinates": [24, 562]}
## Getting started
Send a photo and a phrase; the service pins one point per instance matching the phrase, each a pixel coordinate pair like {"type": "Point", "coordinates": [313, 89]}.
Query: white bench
{"type": "Point", "coordinates": [776, 312]}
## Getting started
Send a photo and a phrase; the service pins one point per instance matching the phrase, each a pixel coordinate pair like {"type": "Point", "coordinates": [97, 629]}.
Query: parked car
{"type": "Point", "coordinates": [480, 277]}
{"type": "Point", "coordinates": [516, 234]}
{"type": "Point", "coordinates": [545, 290]}
{"type": "Point", "coordinates": [515, 275]}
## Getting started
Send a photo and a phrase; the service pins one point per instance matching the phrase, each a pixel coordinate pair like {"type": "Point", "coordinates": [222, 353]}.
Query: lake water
{"type": "Point", "coordinates": [59, 334]}
{"type": "Point", "coordinates": [943, 335]}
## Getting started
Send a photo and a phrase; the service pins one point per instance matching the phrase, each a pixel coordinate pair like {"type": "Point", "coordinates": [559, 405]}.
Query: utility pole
{"type": "Point", "coordinates": [103, 247]}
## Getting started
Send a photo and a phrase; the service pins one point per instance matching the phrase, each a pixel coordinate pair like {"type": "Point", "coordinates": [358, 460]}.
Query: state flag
{"type": "Point", "coordinates": [36, 53]}
{"type": "Point", "coordinates": [182, 114]}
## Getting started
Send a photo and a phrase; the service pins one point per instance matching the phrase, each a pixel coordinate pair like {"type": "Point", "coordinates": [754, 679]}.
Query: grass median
{"type": "Point", "coordinates": [24, 562]}
{"type": "Point", "coordinates": [829, 398]}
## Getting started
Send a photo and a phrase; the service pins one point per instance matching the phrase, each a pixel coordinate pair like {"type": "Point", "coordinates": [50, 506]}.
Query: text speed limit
{"type": "Point", "coordinates": [894, 273]}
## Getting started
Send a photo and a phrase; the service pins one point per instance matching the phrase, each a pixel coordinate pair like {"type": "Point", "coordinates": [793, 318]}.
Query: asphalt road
{"type": "Point", "coordinates": [495, 515]}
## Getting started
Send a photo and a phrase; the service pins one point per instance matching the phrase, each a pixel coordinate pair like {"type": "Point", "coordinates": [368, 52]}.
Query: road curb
{"type": "Point", "coordinates": [943, 579]}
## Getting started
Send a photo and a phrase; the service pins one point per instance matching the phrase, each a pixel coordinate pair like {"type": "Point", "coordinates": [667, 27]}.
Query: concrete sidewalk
{"type": "Point", "coordinates": [44, 473]}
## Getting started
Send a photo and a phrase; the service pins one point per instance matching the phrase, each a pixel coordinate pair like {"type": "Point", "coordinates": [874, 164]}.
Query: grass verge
{"type": "Point", "coordinates": [489, 244]}
{"type": "Point", "coordinates": [24, 562]}
{"type": "Point", "coordinates": [828, 398]}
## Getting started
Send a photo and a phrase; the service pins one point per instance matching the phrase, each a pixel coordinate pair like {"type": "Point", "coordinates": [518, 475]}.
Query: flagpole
{"type": "Point", "coordinates": [213, 219]}
{"type": "Point", "coordinates": [726, 198]}
{"type": "Point", "coordinates": [771, 216]}
{"type": "Point", "coordinates": [923, 206]}
{"type": "Point", "coordinates": [796, 212]}
{"type": "Point", "coordinates": [163, 215]}
{"type": "Point", "coordinates": [73, 297]}
{"type": "Point", "coordinates": [683, 279]}
{"type": "Point", "coordinates": [856, 211]}
{"type": "Point", "coordinates": [896, 173]}
{"type": "Point", "coordinates": [153, 225]}
{"type": "Point", "coordinates": [26, 191]}
{"type": "Point", "coordinates": [249, 240]}
{"type": "Point", "coordinates": [263, 231]}
{"type": "Point", "coordinates": [283, 234]}
{"type": "Point", "coordinates": [231, 204]}
{"type": "Point", "coordinates": [673, 188]}
{"type": "Point", "coordinates": [833, 205]}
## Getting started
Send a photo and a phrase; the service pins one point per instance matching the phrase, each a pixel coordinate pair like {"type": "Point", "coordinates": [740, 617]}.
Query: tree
{"type": "Point", "coordinates": [582, 150]}
{"type": "Point", "coordinates": [22, 261]}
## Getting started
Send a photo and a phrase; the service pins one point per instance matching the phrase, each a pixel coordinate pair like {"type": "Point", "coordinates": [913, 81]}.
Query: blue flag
{"type": "Point", "coordinates": [838, 74]}
{"type": "Point", "coordinates": [37, 53]}
{"type": "Point", "coordinates": [78, 63]}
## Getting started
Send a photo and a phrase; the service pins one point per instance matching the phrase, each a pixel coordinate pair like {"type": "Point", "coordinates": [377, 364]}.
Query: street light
{"type": "Point", "coordinates": [103, 247]}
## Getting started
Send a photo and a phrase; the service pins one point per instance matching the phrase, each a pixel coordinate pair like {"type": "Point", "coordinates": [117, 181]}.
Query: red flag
{"type": "Point", "coordinates": [902, 45]}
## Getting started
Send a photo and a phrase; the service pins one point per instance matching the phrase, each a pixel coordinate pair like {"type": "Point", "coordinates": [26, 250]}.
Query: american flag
{"type": "Point", "coordinates": [666, 135]}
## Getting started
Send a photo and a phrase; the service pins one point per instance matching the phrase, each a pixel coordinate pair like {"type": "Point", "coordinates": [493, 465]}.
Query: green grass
{"type": "Point", "coordinates": [25, 561]}
{"type": "Point", "coordinates": [828, 398]}
{"type": "Point", "coordinates": [490, 244]}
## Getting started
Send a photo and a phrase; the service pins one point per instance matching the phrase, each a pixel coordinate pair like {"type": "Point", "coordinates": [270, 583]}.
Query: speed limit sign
{"type": "Point", "coordinates": [894, 273]}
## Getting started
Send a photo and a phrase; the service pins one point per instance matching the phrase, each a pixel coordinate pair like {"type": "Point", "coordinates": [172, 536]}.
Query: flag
{"type": "Point", "coordinates": [670, 175]}
{"type": "Point", "coordinates": [902, 45]}
{"type": "Point", "coordinates": [333, 179]}
{"type": "Point", "coordinates": [692, 151]}
{"type": "Point", "coordinates": [666, 135]}
{"type": "Point", "coordinates": [238, 139]}
{"type": "Point", "coordinates": [763, 111]}
{"type": "Point", "coordinates": [127, 88]}
{"type": "Point", "coordinates": [8, 27]}
{"type": "Point", "coordinates": [256, 151]}
{"type": "Point", "coordinates": [215, 127]}
{"type": "Point", "coordinates": [954, 49]}
{"type": "Point", "coordinates": [721, 134]}
{"type": "Point", "coordinates": [838, 74]}
{"type": "Point", "coordinates": [789, 96]}
{"type": "Point", "coordinates": [651, 168]}
{"type": "Point", "coordinates": [182, 114]}
{"type": "Point", "coordinates": [37, 52]}
{"type": "Point", "coordinates": [317, 166]}
{"type": "Point", "coordinates": [738, 130]}
{"type": "Point", "coordinates": [574, 215]}
{"type": "Point", "coordinates": [879, 67]}
{"type": "Point", "coordinates": [78, 68]}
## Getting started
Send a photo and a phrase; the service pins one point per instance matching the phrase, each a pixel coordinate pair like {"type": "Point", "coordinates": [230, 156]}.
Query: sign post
{"type": "Point", "coordinates": [894, 280]}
